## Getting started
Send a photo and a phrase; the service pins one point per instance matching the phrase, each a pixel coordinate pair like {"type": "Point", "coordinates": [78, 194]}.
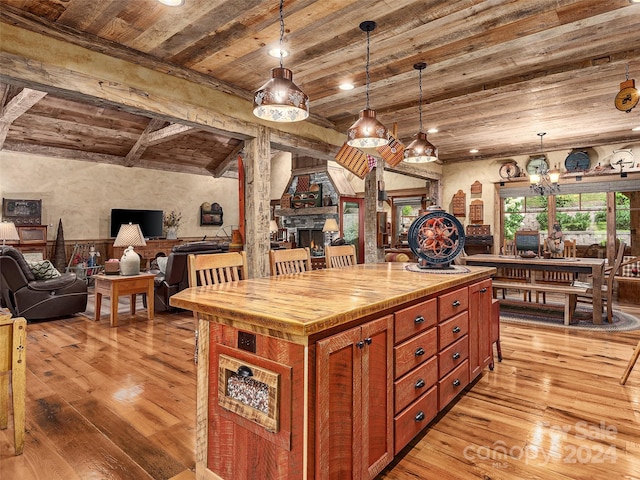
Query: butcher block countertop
{"type": "Point", "coordinates": [296, 307]}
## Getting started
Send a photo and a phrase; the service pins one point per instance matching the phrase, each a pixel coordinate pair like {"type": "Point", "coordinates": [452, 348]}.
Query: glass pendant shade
{"type": "Point", "coordinates": [420, 150]}
{"type": "Point", "coordinates": [367, 131]}
{"type": "Point", "coordinates": [280, 100]}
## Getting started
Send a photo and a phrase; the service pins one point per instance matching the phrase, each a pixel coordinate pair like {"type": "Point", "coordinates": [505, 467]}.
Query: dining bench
{"type": "Point", "coordinates": [570, 293]}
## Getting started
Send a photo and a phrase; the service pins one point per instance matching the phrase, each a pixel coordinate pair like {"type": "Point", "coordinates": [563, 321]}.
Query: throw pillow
{"type": "Point", "coordinates": [43, 270]}
{"type": "Point", "coordinates": [162, 263]}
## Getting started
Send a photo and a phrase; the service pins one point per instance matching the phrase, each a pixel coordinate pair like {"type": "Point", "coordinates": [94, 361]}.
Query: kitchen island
{"type": "Point", "coordinates": [330, 373]}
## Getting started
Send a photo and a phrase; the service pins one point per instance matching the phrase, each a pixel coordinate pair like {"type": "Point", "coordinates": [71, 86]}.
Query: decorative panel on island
{"type": "Point", "coordinates": [357, 361]}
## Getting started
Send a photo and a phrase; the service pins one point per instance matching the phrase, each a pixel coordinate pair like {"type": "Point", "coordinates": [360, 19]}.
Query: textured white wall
{"type": "Point", "coordinates": [82, 194]}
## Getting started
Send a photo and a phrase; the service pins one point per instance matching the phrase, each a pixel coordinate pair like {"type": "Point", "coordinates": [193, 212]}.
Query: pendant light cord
{"type": "Point", "coordinates": [281, 30]}
{"type": "Point", "coordinates": [367, 70]}
{"type": "Point", "coordinates": [420, 104]}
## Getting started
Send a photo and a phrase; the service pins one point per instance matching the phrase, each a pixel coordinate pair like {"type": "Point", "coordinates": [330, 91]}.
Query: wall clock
{"type": "Point", "coordinates": [577, 161]}
{"type": "Point", "coordinates": [509, 170]}
{"type": "Point", "coordinates": [627, 97]}
{"type": "Point", "coordinates": [622, 159]}
{"type": "Point", "coordinates": [537, 164]}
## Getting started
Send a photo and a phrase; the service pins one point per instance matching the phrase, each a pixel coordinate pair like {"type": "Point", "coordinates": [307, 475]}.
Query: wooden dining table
{"type": "Point", "coordinates": [593, 267]}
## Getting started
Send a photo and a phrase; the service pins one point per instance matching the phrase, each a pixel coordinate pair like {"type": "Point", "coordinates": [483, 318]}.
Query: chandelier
{"type": "Point", "coordinates": [544, 181]}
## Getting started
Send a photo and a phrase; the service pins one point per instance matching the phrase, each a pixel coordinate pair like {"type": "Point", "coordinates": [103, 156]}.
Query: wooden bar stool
{"type": "Point", "coordinates": [13, 342]}
{"type": "Point", "coordinates": [495, 331]}
{"type": "Point", "coordinates": [632, 362]}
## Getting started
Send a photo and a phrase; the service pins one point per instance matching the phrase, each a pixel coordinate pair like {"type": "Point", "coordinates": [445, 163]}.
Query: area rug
{"type": "Point", "coordinates": [551, 315]}
{"type": "Point", "coordinates": [124, 303]}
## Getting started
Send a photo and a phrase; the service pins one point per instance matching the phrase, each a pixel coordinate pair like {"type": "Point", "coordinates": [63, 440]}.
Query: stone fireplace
{"type": "Point", "coordinates": [304, 220]}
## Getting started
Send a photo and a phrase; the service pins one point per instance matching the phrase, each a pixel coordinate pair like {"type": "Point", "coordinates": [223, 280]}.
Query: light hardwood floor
{"type": "Point", "coordinates": [119, 403]}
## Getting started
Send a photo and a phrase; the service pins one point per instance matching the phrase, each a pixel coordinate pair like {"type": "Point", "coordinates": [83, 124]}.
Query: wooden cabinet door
{"type": "Point", "coordinates": [354, 419]}
{"type": "Point", "coordinates": [377, 396]}
{"type": "Point", "coordinates": [479, 327]}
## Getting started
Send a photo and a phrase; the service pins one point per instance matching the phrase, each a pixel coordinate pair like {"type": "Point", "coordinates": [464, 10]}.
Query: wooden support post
{"type": "Point", "coordinates": [257, 166]}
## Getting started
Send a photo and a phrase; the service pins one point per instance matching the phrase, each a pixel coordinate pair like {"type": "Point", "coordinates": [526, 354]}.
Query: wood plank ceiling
{"type": "Point", "coordinates": [499, 72]}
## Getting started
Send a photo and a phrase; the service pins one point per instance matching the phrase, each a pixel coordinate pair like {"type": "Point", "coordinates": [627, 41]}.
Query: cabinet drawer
{"type": "Point", "coordinates": [452, 356]}
{"type": "Point", "coordinates": [415, 319]}
{"type": "Point", "coordinates": [453, 384]}
{"type": "Point", "coordinates": [452, 303]}
{"type": "Point", "coordinates": [415, 383]}
{"type": "Point", "coordinates": [453, 329]}
{"type": "Point", "coordinates": [415, 418]}
{"type": "Point", "coordinates": [414, 351]}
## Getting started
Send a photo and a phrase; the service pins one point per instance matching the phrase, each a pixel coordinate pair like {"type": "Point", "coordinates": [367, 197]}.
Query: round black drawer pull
{"type": "Point", "coordinates": [456, 330]}
{"type": "Point", "coordinates": [419, 351]}
{"type": "Point", "coordinates": [360, 344]}
{"type": "Point", "coordinates": [456, 355]}
{"type": "Point", "coordinates": [419, 319]}
{"type": "Point", "coordinates": [456, 383]}
{"type": "Point", "coordinates": [456, 303]}
{"type": "Point", "coordinates": [368, 340]}
{"type": "Point", "coordinates": [244, 371]}
{"type": "Point", "coordinates": [420, 383]}
{"type": "Point", "coordinates": [483, 290]}
{"type": "Point", "coordinates": [420, 416]}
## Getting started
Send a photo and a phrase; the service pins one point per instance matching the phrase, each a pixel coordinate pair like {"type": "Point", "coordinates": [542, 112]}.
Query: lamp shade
{"type": "Point", "coordinates": [280, 100]}
{"type": "Point", "coordinates": [273, 226]}
{"type": "Point", "coordinates": [330, 225]}
{"type": "Point", "coordinates": [420, 150]}
{"type": "Point", "coordinates": [8, 231]}
{"type": "Point", "coordinates": [129, 234]}
{"type": "Point", "coordinates": [367, 131]}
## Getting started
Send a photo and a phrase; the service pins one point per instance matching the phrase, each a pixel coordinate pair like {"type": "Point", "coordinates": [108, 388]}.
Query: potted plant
{"type": "Point", "coordinates": [172, 222]}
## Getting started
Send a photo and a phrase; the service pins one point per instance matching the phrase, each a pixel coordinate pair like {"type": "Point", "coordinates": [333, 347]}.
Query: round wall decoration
{"type": "Point", "coordinates": [436, 238]}
{"type": "Point", "coordinates": [622, 159]}
{"type": "Point", "coordinates": [577, 161]}
{"type": "Point", "coordinates": [509, 170]}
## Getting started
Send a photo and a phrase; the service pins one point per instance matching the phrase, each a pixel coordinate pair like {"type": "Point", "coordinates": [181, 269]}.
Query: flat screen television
{"type": "Point", "coordinates": [150, 221]}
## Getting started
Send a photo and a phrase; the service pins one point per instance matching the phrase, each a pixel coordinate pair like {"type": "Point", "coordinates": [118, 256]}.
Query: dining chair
{"type": "Point", "coordinates": [340, 256]}
{"type": "Point", "coordinates": [511, 274]}
{"type": "Point", "coordinates": [290, 260]}
{"type": "Point", "coordinates": [13, 343]}
{"type": "Point", "coordinates": [214, 269]}
{"type": "Point", "coordinates": [607, 287]}
{"type": "Point", "coordinates": [552, 277]}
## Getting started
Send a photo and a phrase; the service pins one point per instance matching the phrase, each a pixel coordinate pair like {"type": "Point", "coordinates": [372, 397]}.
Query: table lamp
{"type": "Point", "coordinates": [8, 231]}
{"type": "Point", "coordinates": [130, 235]}
{"type": "Point", "coordinates": [330, 225]}
{"type": "Point", "coordinates": [273, 229]}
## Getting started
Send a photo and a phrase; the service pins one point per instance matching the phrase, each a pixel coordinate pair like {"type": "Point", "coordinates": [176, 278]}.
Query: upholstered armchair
{"type": "Point", "coordinates": [174, 277]}
{"type": "Point", "coordinates": [38, 299]}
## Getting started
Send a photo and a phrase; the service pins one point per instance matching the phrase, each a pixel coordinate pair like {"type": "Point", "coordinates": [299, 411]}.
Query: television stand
{"type": "Point", "coordinates": [148, 252]}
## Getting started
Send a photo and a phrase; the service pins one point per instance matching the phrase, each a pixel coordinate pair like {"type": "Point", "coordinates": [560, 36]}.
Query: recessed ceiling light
{"type": "Point", "coordinates": [346, 86]}
{"type": "Point", "coordinates": [636, 129]}
{"type": "Point", "coordinates": [432, 130]}
{"type": "Point", "coordinates": [172, 3]}
{"type": "Point", "coordinates": [474, 150]}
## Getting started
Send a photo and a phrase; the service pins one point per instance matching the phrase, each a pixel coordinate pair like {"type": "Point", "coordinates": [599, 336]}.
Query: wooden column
{"type": "Point", "coordinates": [634, 204]}
{"type": "Point", "coordinates": [257, 167]}
{"type": "Point", "coordinates": [370, 218]}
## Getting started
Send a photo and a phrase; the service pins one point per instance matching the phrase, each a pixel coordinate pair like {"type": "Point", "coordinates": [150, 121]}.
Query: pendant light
{"type": "Point", "coordinates": [420, 150]}
{"type": "Point", "coordinates": [367, 132]}
{"type": "Point", "coordinates": [280, 100]}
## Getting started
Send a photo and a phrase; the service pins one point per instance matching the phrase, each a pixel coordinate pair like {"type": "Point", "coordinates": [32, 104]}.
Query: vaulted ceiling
{"type": "Point", "coordinates": [499, 72]}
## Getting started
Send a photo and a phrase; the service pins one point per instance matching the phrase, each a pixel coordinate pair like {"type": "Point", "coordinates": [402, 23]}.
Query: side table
{"type": "Point", "coordinates": [115, 286]}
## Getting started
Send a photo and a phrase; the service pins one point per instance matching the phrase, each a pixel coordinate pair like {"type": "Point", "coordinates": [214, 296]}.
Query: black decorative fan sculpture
{"type": "Point", "coordinates": [436, 238]}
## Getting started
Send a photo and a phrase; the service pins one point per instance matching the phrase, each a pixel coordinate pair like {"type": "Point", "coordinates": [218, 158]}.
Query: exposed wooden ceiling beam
{"type": "Point", "coordinates": [19, 104]}
{"type": "Point", "coordinates": [228, 163]}
{"type": "Point", "coordinates": [141, 144]}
